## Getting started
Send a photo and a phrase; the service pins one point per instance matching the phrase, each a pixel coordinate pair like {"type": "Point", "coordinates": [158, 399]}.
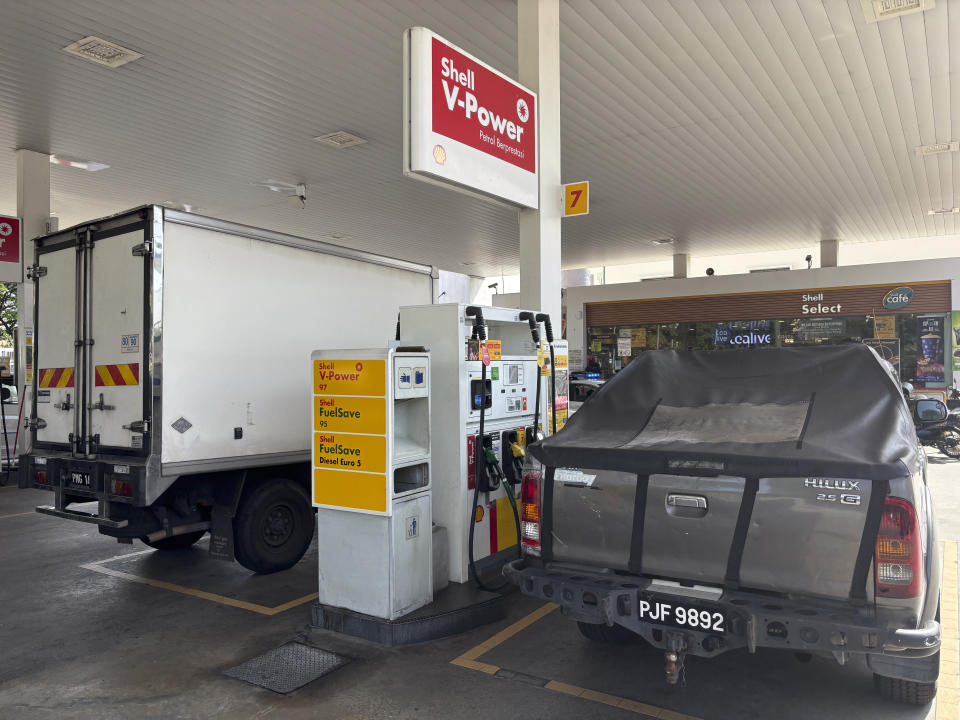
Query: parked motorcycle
{"type": "Point", "coordinates": [936, 427]}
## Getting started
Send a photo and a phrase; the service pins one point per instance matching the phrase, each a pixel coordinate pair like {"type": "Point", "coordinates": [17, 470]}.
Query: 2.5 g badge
{"type": "Point", "coordinates": [130, 343]}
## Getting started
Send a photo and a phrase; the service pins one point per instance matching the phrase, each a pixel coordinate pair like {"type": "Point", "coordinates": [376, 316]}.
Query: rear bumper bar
{"type": "Point", "coordinates": [754, 620]}
{"type": "Point", "coordinates": [81, 516]}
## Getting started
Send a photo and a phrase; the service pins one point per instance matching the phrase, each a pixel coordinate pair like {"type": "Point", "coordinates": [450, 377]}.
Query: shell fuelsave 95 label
{"type": "Point", "coordinates": [350, 377]}
{"type": "Point", "coordinates": [342, 451]}
{"type": "Point", "coordinates": [350, 414]}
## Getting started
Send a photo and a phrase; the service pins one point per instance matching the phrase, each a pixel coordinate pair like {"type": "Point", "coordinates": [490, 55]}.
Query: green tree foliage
{"type": "Point", "coordinates": [8, 312]}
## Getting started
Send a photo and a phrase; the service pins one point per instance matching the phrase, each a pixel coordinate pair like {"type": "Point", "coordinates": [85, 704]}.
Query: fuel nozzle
{"type": "Point", "coordinates": [513, 454]}
{"type": "Point", "coordinates": [492, 471]}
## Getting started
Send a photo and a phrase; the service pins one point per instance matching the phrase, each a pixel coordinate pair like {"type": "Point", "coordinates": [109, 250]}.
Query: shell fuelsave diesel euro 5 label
{"type": "Point", "coordinates": [344, 451]}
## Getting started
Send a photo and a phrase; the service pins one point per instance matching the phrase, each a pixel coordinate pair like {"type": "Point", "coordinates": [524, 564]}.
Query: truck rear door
{"type": "Point", "coordinates": [92, 323]}
{"type": "Point", "coordinates": [785, 534]}
{"type": "Point", "coordinates": [116, 392]}
{"type": "Point", "coordinates": [56, 354]}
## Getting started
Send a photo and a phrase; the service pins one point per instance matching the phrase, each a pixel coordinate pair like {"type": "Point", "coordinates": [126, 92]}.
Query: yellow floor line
{"type": "Point", "coordinates": [948, 692]}
{"type": "Point", "coordinates": [4, 517]}
{"type": "Point", "coordinates": [507, 633]}
{"type": "Point", "coordinates": [469, 660]}
{"type": "Point", "coordinates": [98, 566]}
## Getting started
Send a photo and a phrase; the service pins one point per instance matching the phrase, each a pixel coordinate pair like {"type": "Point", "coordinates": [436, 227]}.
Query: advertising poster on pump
{"type": "Point", "coordinates": [466, 124]}
{"type": "Point", "coordinates": [930, 346]}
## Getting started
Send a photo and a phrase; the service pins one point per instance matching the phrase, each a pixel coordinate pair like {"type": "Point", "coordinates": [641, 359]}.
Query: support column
{"type": "Point", "coordinates": [538, 66]}
{"type": "Point", "coordinates": [829, 253]}
{"type": "Point", "coordinates": [33, 208]}
{"type": "Point", "coordinates": [681, 265]}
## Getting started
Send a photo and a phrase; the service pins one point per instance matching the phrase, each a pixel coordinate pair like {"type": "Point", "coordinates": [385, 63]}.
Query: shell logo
{"type": "Point", "coordinates": [523, 111]}
{"type": "Point", "coordinates": [439, 154]}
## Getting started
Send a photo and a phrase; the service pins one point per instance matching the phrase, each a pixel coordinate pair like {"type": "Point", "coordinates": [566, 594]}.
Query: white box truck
{"type": "Point", "coordinates": [171, 379]}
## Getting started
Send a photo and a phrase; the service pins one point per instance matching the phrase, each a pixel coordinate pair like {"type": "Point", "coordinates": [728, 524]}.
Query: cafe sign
{"type": "Point", "coordinates": [897, 298]}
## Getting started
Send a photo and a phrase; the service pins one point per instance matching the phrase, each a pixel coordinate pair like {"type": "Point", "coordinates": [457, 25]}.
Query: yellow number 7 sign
{"type": "Point", "coordinates": [576, 198]}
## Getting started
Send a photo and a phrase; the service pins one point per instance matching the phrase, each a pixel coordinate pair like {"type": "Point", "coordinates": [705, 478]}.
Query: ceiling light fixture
{"type": "Point", "coordinates": [875, 10]}
{"type": "Point", "coordinates": [340, 139]}
{"type": "Point", "coordinates": [102, 52]}
{"type": "Point", "coordinates": [945, 211]}
{"type": "Point", "coordinates": [938, 148]}
{"type": "Point", "coordinates": [66, 161]}
{"type": "Point", "coordinates": [663, 241]}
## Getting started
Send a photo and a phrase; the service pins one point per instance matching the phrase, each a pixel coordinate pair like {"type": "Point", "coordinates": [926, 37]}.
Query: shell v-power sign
{"type": "Point", "coordinates": [465, 124]}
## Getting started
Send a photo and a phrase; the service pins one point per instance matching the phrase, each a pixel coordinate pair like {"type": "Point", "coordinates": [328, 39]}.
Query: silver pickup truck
{"type": "Point", "coordinates": [767, 498]}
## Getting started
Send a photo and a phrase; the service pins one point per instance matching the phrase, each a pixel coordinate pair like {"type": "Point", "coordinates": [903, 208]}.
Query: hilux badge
{"type": "Point", "coordinates": [832, 484]}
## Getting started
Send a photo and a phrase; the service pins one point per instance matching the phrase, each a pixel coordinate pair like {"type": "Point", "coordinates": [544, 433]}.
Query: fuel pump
{"type": "Point", "coordinates": [477, 468]}
{"type": "Point", "coordinates": [489, 474]}
{"type": "Point", "coordinates": [535, 335]}
{"type": "Point", "coordinates": [548, 327]}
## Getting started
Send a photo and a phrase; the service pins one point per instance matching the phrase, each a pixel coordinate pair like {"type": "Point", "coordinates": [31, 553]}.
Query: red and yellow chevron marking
{"type": "Point", "coordinates": [125, 374]}
{"type": "Point", "coordinates": [56, 377]}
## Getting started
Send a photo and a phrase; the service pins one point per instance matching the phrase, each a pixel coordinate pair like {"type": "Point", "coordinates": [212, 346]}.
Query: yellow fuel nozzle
{"type": "Point", "coordinates": [518, 451]}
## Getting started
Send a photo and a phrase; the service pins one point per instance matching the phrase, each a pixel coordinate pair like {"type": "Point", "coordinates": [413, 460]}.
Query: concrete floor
{"type": "Point", "coordinates": [86, 636]}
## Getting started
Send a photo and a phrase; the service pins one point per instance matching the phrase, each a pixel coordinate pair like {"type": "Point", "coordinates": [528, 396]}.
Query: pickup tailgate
{"type": "Point", "coordinates": [785, 534]}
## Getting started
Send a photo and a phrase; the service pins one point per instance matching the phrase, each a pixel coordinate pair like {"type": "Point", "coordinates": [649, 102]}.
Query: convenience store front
{"type": "Point", "coordinates": [908, 323]}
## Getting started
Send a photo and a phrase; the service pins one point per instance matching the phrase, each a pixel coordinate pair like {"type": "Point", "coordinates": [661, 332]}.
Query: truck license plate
{"type": "Point", "coordinates": [79, 479]}
{"type": "Point", "coordinates": [681, 615]}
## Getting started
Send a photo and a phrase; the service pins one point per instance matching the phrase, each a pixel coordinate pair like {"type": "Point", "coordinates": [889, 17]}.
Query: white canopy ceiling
{"type": "Point", "coordinates": [732, 126]}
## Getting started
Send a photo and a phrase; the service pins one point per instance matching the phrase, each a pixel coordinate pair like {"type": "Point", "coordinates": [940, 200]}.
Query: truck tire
{"type": "Point", "coordinates": [905, 691]}
{"type": "Point", "coordinates": [177, 542]}
{"type": "Point", "coordinates": [273, 527]}
{"type": "Point", "coordinates": [616, 635]}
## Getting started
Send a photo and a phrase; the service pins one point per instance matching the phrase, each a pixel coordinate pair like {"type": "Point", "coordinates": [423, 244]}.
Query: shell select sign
{"type": "Point", "coordinates": [466, 124]}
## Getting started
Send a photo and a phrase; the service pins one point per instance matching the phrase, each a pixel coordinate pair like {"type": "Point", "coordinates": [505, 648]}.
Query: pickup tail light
{"type": "Point", "coordinates": [530, 501]}
{"type": "Point", "coordinates": [898, 558]}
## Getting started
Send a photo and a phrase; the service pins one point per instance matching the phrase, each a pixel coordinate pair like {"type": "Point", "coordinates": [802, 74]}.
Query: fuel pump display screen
{"type": "Point", "coordinates": [513, 373]}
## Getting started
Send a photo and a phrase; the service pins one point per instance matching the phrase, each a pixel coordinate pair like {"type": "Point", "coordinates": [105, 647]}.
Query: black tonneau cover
{"type": "Point", "coordinates": [835, 411]}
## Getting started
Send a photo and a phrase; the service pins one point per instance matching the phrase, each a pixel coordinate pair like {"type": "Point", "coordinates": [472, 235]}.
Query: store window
{"type": "Point", "coordinates": [902, 339]}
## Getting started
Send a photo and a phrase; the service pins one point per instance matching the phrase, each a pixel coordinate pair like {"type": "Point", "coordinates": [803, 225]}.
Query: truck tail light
{"type": "Point", "coordinates": [40, 477]}
{"type": "Point", "coordinates": [898, 556]}
{"type": "Point", "coordinates": [530, 499]}
{"type": "Point", "coordinates": [121, 487]}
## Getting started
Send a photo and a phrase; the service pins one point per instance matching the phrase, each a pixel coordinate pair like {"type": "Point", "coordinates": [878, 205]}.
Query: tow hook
{"type": "Point", "coordinates": [674, 659]}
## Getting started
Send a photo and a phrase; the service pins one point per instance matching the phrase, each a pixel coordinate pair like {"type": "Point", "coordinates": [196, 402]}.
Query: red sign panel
{"type": "Point", "coordinates": [9, 239]}
{"type": "Point", "coordinates": [479, 108]}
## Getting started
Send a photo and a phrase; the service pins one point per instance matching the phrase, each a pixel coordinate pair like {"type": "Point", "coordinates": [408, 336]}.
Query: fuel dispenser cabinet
{"type": "Point", "coordinates": [372, 480]}
{"type": "Point", "coordinates": [508, 397]}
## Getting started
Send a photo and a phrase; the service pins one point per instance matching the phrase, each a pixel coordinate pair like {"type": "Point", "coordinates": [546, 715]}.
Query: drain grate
{"type": "Point", "coordinates": [288, 667]}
